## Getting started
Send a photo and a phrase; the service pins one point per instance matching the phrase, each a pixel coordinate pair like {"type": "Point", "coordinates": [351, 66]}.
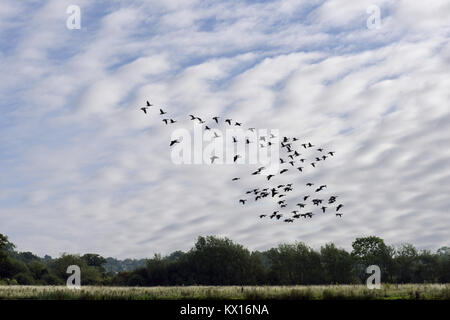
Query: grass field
{"type": "Point", "coordinates": [387, 292]}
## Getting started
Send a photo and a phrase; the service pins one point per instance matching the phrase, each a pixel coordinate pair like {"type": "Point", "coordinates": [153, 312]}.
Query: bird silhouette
{"type": "Point", "coordinates": [216, 119]}
{"type": "Point", "coordinates": [339, 207]}
{"type": "Point", "coordinates": [214, 158]}
{"type": "Point", "coordinates": [174, 142]}
{"type": "Point", "coordinates": [161, 112]}
{"type": "Point", "coordinates": [242, 201]}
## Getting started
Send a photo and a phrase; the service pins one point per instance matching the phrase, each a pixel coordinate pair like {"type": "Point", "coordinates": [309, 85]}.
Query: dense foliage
{"type": "Point", "coordinates": [217, 261]}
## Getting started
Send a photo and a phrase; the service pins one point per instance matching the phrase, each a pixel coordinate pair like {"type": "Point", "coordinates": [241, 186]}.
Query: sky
{"type": "Point", "coordinates": [84, 170]}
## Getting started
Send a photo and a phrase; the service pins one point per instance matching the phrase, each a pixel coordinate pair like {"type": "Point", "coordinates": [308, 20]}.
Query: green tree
{"type": "Point", "coordinates": [89, 275]}
{"type": "Point", "coordinates": [294, 264]}
{"type": "Point", "coordinates": [373, 251]}
{"type": "Point", "coordinates": [337, 264]}
{"type": "Point", "coordinates": [405, 259]}
{"type": "Point", "coordinates": [215, 261]}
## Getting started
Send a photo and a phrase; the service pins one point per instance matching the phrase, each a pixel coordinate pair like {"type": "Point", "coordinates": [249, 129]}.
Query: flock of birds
{"type": "Point", "coordinates": [309, 203]}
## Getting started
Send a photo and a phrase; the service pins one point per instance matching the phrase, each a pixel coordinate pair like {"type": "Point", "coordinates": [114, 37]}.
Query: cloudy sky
{"type": "Point", "coordinates": [83, 170]}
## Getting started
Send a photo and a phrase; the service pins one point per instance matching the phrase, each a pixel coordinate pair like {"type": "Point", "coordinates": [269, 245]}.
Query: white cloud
{"type": "Point", "coordinates": [88, 171]}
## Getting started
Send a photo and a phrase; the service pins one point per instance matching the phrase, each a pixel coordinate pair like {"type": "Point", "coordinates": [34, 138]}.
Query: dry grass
{"type": "Point", "coordinates": [387, 292]}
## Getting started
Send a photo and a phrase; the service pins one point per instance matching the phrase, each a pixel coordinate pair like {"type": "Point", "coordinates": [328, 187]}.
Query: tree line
{"type": "Point", "coordinates": [220, 261]}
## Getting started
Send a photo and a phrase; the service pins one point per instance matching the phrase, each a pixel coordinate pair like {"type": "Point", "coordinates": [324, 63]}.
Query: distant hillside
{"type": "Point", "coordinates": [114, 265]}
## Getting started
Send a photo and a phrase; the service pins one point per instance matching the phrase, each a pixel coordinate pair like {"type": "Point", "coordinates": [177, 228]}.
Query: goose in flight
{"type": "Point", "coordinates": [235, 179]}
{"type": "Point", "coordinates": [174, 142]}
{"type": "Point", "coordinates": [236, 157]}
{"type": "Point", "coordinates": [273, 214]}
{"type": "Point", "coordinates": [144, 109]}
{"type": "Point", "coordinates": [262, 215]}
{"type": "Point", "coordinates": [270, 176]}
{"type": "Point", "coordinates": [339, 215]}
{"type": "Point", "coordinates": [238, 124]}
{"type": "Point", "coordinates": [339, 206]}
{"type": "Point", "coordinates": [300, 169]}
{"type": "Point", "coordinates": [228, 121]}
{"type": "Point", "coordinates": [319, 189]}
{"type": "Point", "coordinates": [166, 121]}
{"type": "Point", "coordinates": [309, 184]}
{"type": "Point", "coordinates": [242, 201]}
{"type": "Point", "coordinates": [283, 171]}
{"type": "Point", "coordinates": [323, 209]}
{"type": "Point", "coordinates": [214, 158]}
{"type": "Point", "coordinates": [216, 119]}
{"type": "Point", "coordinates": [161, 112]}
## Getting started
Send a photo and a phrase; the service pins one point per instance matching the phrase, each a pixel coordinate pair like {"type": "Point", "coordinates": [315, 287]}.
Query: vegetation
{"type": "Point", "coordinates": [221, 262]}
{"type": "Point", "coordinates": [339, 292]}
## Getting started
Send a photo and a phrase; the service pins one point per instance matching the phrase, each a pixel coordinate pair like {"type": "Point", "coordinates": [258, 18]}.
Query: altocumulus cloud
{"type": "Point", "coordinates": [84, 171]}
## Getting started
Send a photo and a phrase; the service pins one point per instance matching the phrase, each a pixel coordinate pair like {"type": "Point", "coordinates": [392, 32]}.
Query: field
{"type": "Point", "coordinates": [358, 292]}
